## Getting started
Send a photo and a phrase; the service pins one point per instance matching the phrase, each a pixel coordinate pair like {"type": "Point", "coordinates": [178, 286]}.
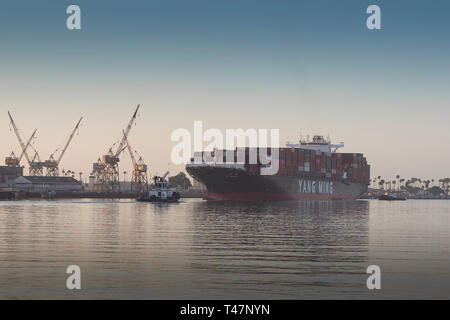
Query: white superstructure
{"type": "Point", "coordinates": [318, 143]}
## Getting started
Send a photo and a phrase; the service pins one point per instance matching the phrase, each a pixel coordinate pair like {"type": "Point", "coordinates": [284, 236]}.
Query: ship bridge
{"type": "Point", "coordinates": [318, 143]}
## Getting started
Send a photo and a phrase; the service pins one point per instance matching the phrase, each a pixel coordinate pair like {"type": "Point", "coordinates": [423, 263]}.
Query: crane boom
{"type": "Point", "coordinates": [68, 141]}
{"type": "Point", "coordinates": [16, 131]}
{"type": "Point", "coordinates": [130, 150]}
{"type": "Point", "coordinates": [165, 175]}
{"type": "Point", "coordinates": [36, 155]}
{"type": "Point", "coordinates": [120, 148]}
{"type": "Point", "coordinates": [26, 146]}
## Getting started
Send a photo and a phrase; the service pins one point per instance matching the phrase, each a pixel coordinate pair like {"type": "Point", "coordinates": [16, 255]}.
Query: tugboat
{"type": "Point", "coordinates": [161, 192]}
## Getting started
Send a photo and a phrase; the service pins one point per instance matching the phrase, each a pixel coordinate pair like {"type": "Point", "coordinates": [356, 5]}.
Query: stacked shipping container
{"type": "Point", "coordinates": [308, 163]}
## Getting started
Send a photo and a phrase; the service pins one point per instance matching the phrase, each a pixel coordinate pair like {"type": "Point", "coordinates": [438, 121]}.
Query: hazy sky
{"type": "Point", "coordinates": [300, 66]}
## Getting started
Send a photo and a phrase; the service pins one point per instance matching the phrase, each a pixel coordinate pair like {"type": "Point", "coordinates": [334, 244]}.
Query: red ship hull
{"type": "Point", "coordinates": [275, 196]}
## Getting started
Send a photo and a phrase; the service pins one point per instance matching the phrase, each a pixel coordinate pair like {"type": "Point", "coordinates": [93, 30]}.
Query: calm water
{"type": "Point", "coordinates": [204, 250]}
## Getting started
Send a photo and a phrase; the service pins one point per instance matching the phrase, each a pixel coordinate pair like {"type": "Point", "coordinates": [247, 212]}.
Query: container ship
{"type": "Point", "coordinates": [307, 170]}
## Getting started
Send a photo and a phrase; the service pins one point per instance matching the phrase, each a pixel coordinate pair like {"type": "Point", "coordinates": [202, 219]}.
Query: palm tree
{"type": "Point", "coordinates": [446, 184]}
{"type": "Point", "coordinates": [401, 182]}
{"type": "Point", "coordinates": [375, 182]}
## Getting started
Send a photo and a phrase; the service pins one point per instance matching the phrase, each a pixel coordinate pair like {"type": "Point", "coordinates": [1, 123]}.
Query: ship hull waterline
{"type": "Point", "coordinates": [235, 184]}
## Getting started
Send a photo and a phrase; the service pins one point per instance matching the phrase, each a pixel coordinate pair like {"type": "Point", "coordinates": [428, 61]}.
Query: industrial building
{"type": "Point", "coordinates": [46, 183]}
{"type": "Point", "coordinates": [8, 174]}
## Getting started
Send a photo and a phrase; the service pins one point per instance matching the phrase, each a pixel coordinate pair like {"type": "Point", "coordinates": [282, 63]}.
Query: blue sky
{"type": "Point", "coordinates": [309, 66]}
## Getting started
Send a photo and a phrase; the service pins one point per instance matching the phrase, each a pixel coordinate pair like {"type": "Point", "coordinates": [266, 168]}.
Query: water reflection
{"type": "Point", "coordinates": [198, 249]}
{"type": "Point", "coordinates": [287, 245]}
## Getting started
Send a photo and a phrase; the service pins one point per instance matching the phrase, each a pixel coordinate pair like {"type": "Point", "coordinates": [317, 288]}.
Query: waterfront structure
{"type": "Point", "coordinates": [46, 183]}
{"type": "Point", "coordinates": [8, 174]}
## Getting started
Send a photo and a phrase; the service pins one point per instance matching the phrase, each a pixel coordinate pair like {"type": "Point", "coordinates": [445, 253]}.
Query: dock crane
{"type": "Point", "coordinates": [36, 167]}
{"type": "Point", "coordinates": [51, 165]}
{"type": "Point", "coordinates": [139, 181]}
{"type": "Point", "coordinates": [98, 169]}
{"type": "Point", "coordinates": [110, 176]}
{"type": "Point", "coordinates": [12, 160]}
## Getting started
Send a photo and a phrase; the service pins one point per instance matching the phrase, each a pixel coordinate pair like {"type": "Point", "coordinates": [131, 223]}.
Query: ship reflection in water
{"type": "Point", "coordinates": [206, 250]}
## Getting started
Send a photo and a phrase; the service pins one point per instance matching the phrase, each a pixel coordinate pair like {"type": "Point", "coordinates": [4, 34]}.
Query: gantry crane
{"type": "Point", "coordinates": [139, 181]}
{"type": "Point", "coordinates": [36, 167]}
{"type": "Point", "coordinates": [52, 165]}
{"type": "Point", "coordinates": [110, 175]}
{"type": "Point", "coordinates": [36, 164]}
{"type": "Point", "coordinates": [98, 169]}
{"type": "Point", "coordinates": [12, 160]}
